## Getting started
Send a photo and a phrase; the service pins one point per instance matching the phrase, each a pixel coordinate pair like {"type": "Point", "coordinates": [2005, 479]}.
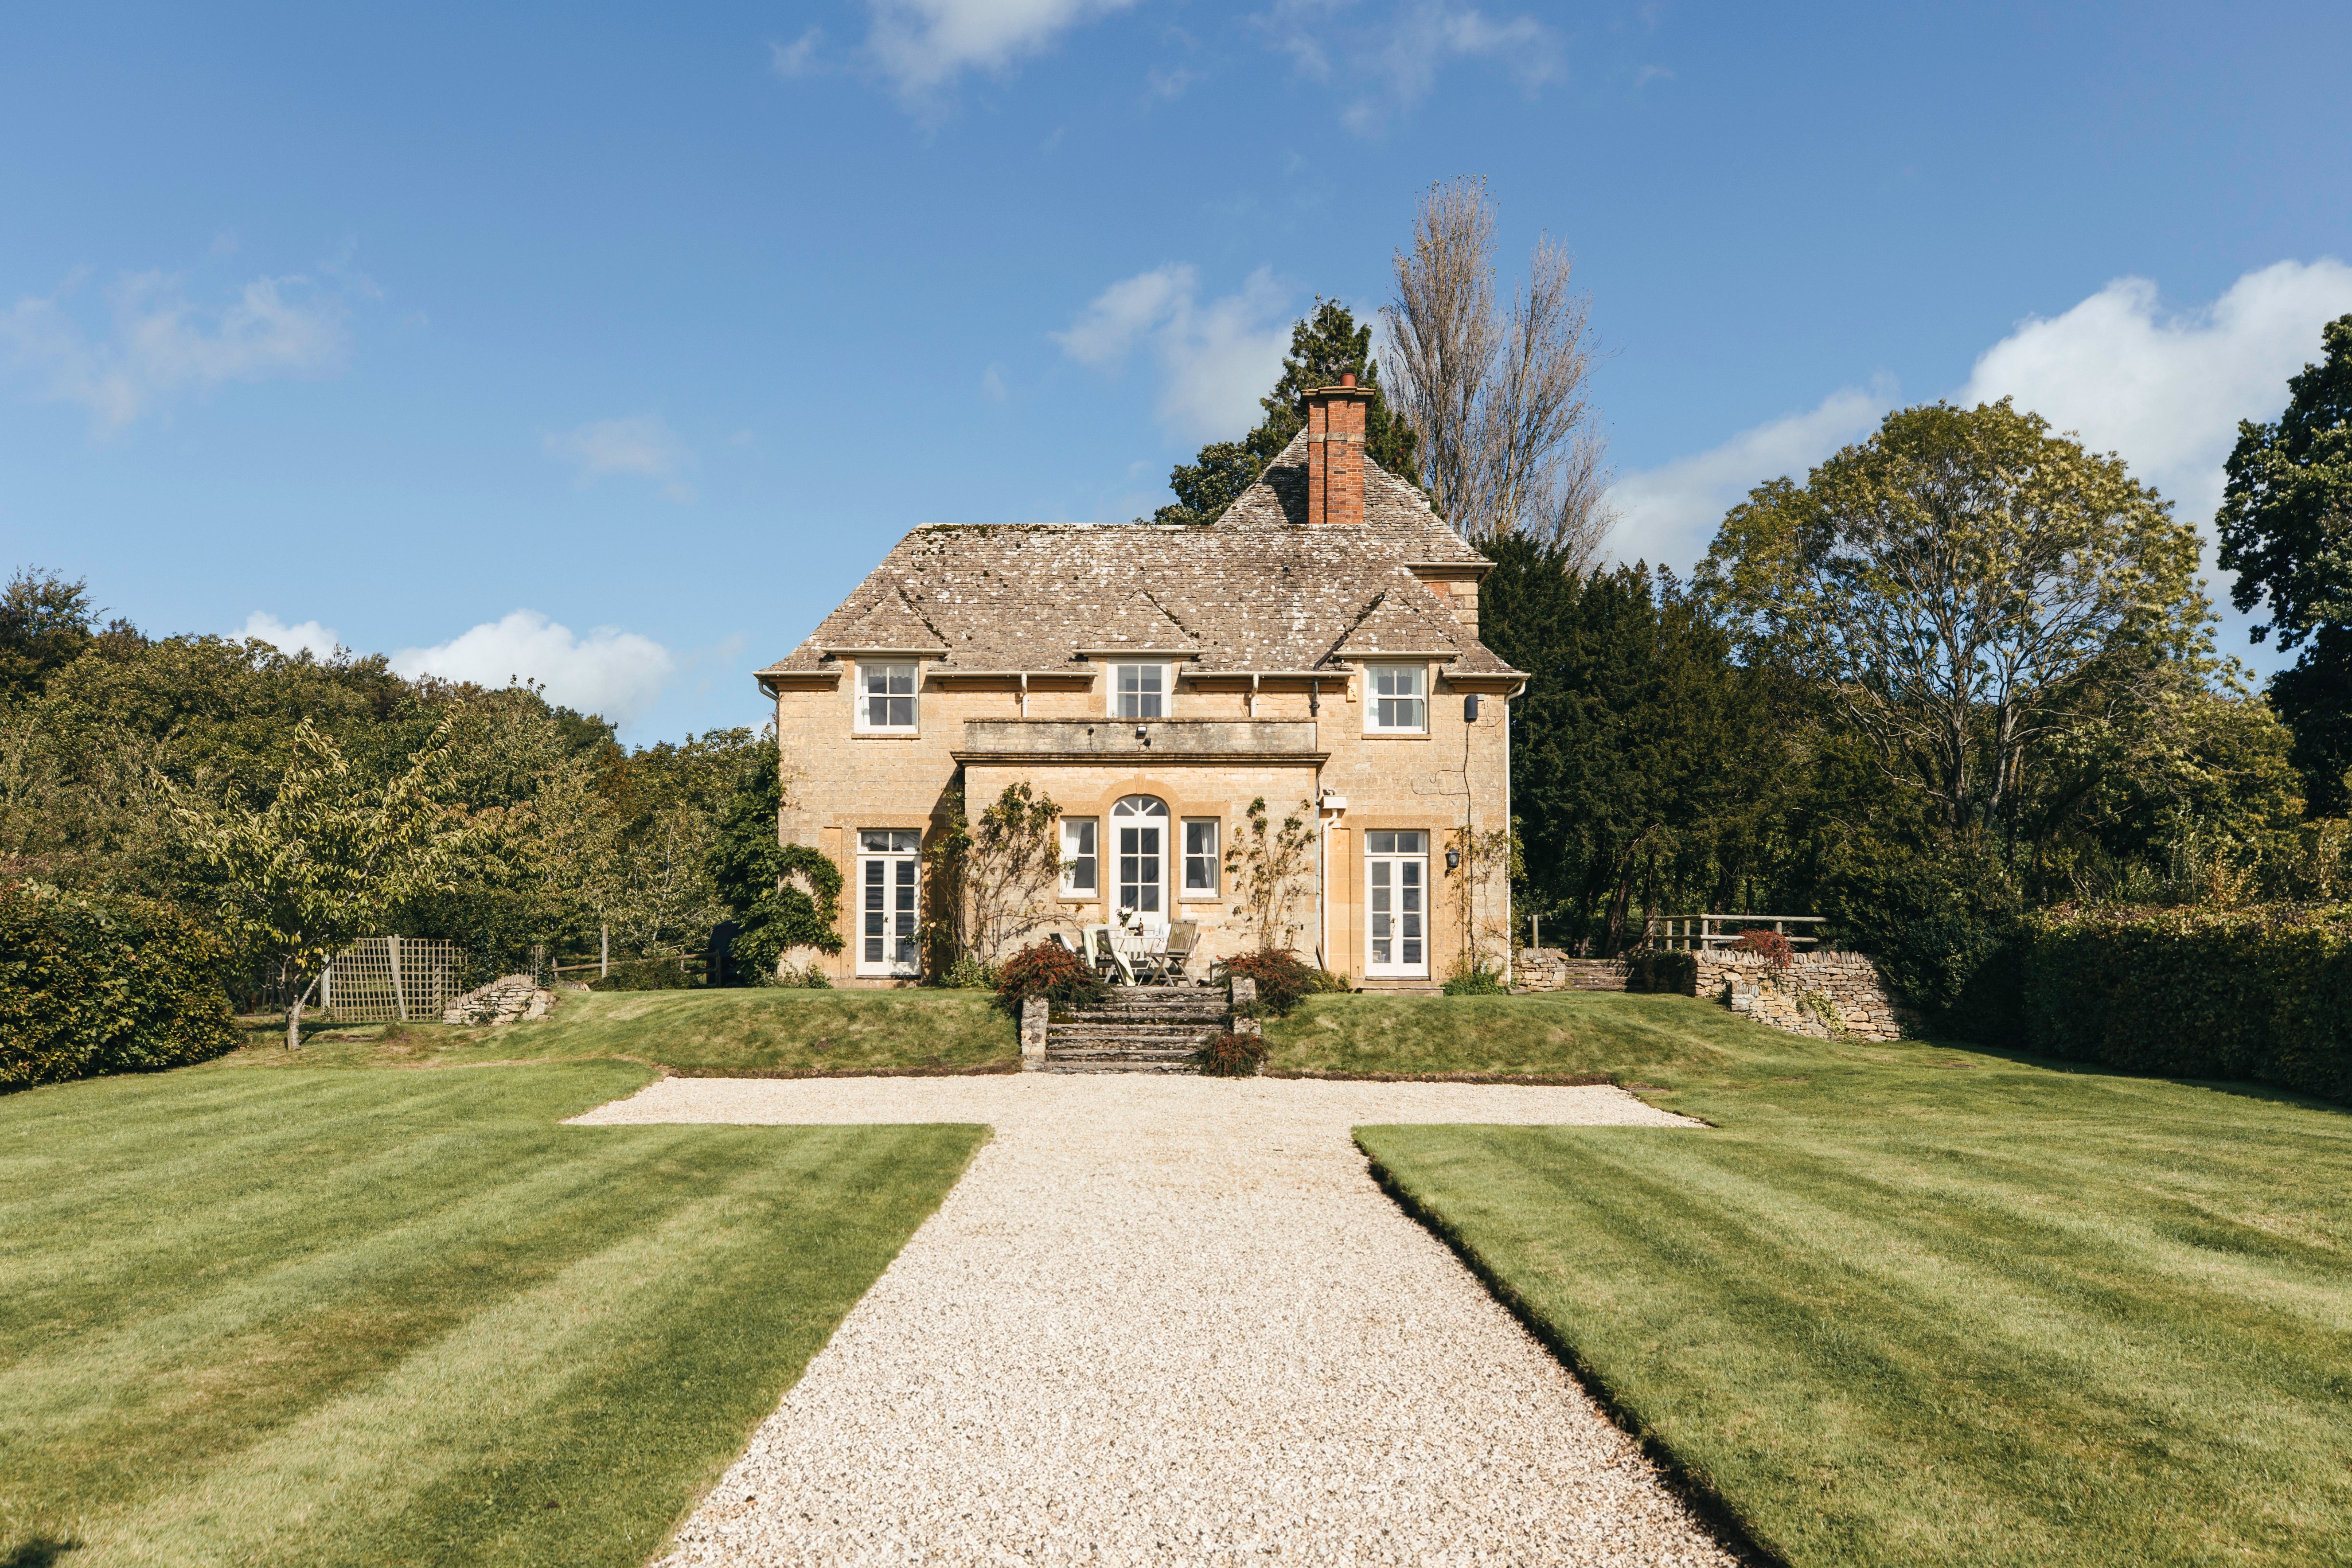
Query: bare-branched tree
{"type": "Point", "coordinates": [1500, 397]}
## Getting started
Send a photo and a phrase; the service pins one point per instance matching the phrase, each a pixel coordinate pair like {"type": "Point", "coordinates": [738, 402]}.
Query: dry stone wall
{"type": "Point", "coordinates": [1553, 968]}
{"type": "Point", "coordinates": [509, 999]}
{"type": "Point", "coordinates": [1828, 995]}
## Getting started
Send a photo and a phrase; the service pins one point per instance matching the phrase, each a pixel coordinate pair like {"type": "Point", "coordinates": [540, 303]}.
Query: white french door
{"type": "Point", "coordinates": [1139, 826]}
{"type": "Point", "coordinates": [889, 883]}
{"type": "Point", "coordinates": [1396, 886]}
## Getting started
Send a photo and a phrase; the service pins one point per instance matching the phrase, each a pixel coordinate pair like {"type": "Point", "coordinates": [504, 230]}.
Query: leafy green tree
{"type": "Point", "coordinates": [45, 623]}
{"type": "Point", "coordinates": [786, 895]}
{"type": "Point", "coordinates": [2286, 530]}
{"type": "Point", "coordinates": [1323, 346]}
{"type": "Point", "coordinates": [327, 859]}
{"type": "Point", "coordinates": [1966, 588]}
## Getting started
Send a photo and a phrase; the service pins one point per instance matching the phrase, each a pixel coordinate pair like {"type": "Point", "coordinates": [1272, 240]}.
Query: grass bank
{"type": "Point", "coordinates": [377, 1318]}
{"type": "Point", "coordinates": [782, 1033]}
{"type": "Point", "coordinates": [1912, 1305]}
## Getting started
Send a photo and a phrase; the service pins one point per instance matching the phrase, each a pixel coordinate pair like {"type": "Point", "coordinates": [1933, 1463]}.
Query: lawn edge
{"type": "Point", "coordinates": [1532, 1080]}
{"type": "Point", "coordinates": [983, 1069]}
{"type": "Point", "coordinates": [1721, 1518]}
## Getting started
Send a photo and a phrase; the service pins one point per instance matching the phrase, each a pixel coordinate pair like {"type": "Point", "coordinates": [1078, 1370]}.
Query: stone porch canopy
{"type": "Point", "coordinates": [1265, 593]}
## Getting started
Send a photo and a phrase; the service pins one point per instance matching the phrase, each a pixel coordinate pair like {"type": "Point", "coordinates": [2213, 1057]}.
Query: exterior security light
{"type": "Point", "coordinates": [1470, 709]}
{"type": "Point", "coordinates": [1454, 859]}
{"type": "Point", "coordinates": [1141, 733]}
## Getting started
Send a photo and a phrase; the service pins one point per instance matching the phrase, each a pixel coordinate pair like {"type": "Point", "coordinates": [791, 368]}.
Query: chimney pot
{"type": "Point", "coordinates": [1346, 378]}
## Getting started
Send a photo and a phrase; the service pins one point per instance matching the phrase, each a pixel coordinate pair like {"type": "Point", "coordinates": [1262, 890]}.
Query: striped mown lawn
{"type": "Point", "coordinates": [1914, 1305]}
{"type": "Point", "coordinates": [405, 1316]}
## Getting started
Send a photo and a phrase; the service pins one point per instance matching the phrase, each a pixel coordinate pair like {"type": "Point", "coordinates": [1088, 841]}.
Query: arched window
{"type": "Point", "coordinates": [1138, 827]}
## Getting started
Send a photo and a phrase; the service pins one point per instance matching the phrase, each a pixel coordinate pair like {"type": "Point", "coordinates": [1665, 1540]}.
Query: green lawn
{"type": "Point", "coordinates": [378, 1318]}
{"type": "Point", "coordinates": [765, 1032]}
{"type": "Point", "coordinates": [1905, 1303]}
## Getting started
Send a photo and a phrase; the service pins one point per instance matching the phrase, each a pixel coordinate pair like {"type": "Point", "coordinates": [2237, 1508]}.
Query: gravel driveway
{"type": "Point", "coordinates": [1171, 1319]}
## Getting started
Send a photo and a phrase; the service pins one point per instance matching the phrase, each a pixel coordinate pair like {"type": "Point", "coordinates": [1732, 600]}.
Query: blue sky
{"type": "Point", "coordinates": [613, 348]}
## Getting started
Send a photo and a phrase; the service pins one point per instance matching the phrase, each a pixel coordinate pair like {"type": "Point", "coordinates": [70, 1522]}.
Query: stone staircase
{"type": "Point", "coordinates": [1138, 1028]}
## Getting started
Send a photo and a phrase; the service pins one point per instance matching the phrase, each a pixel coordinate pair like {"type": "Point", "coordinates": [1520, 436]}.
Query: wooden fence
{"type": "Point", "coordinates": [1697, 934]}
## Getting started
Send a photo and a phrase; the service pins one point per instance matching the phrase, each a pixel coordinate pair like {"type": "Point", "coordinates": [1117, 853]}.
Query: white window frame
{"type": "Point", "coordinates": [1081, 847]}
{"type": "Point", "coordinates": [1163, 699]}
{"type": "Point", "coordinates": [1396, 870]}
{"type": "Point", "coordinates": [897, 852]}
{"type": "Point", "coordinates": [1139, 813]}
{"type": "Point", "coordinates": [1418, 696]}
{"type": "Point", "coordinates": [859, 696]}
{"type": "Point", "coordinates": [1209, 859]}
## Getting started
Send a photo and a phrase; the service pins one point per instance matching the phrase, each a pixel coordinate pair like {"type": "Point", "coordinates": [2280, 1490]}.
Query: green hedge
{"type": "Point", "coordinates": [91, 986]}
{"type": "Point", "coordinates": [2259, 994]}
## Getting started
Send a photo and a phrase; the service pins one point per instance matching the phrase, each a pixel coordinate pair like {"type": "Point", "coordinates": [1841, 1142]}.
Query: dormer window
{"type": "Point", "coordinates": [886, 698]}
{"type": "Point", "coordinates": [1397, 698]}
{"type": "Point", "coordinates": [1139, 691]}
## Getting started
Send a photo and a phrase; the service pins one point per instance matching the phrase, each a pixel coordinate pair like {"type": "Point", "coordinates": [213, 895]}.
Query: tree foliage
{"type": "Point", "coordinates": [1646, 765]}
{"type": "Point", "coordinates": [786, 895]}
{"type": "Point", "coordinates": [2286, 530]}
{"type": "Point", "coordinates": [1323, 346]}
{"type": "Point", "coordinates": [327, 859]}
{"type": "Point", "coordinates": [1499, 395]}
{"type": "Point", "coordinates": [1966, 587]}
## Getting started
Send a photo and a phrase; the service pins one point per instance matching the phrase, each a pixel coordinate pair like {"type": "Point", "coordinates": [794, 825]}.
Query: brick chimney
{"type": "Point", "coordinates": [1334, 454]}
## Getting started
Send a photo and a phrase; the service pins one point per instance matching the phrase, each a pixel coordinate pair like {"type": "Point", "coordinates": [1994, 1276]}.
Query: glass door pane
{"type": "Point", "coordinates": [1396, 909]}
{"type": "Point", "coordinates": [1140, 868]}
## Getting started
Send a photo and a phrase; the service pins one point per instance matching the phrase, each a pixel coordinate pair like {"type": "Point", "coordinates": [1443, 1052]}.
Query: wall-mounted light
{"type": "Point", "coordinates": [1470, 709]}
{"type": "Point", "coordinates": [1454, 859]}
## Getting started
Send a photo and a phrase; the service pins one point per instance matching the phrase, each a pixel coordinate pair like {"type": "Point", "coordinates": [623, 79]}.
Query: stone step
{"type": "Point", "coordinates": [1181, 1067]}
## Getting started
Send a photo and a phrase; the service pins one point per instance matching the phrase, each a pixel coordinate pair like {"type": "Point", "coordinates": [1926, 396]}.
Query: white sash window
{"type": "Point", "coordinates": [1139, 691]}
{"type": "Point", "coordinates": [886, 698]}
{"type": "Point", "coordinates": [1078, 856]}
{"type": "Point", "coordinates": [1397, 698]}
{"type": "Point", "coordinates": [1200, 857]}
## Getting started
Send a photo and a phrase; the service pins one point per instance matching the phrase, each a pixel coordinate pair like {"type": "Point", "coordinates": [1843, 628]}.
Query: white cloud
{"type": "Point", "coordinates": [924, 45]}
{"type": "Point", "coordinates": [615, 673]}
{"type": "Point", "coordinates": [1400, 54]}
{"type": "Point", "coordinates": [319, 641]}
{"type": "Point", "coordinates": [1216, 357]}
{"type": "Point", "coordinates": [2165, 390]}
{"type": "Point", "coordinates": [992, 383]}
{"type": "Point", "coordinates": [1668, 515]}
{"type": "Point", "coordinates": [797, 57]}
{"type": "Point", "coordinates": [160, 344]}
{"type": "Point", "coordinates": [642, 446]}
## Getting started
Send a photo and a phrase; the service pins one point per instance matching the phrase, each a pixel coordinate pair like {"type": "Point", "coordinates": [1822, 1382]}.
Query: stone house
{"type": "Point", "coordinates": [1318, 644]}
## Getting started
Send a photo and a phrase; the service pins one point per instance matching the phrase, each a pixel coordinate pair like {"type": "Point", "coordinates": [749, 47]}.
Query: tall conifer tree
{"type": "Point", "coordinates": [1323, 346]}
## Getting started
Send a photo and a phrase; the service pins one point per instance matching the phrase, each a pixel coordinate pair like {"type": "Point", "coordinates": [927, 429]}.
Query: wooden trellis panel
{"type": "Point", "coordinates": [391, 979]}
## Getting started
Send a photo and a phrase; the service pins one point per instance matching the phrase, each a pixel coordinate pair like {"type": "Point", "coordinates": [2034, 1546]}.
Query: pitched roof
{"type": "Point", "coordinates": [1256, 591]}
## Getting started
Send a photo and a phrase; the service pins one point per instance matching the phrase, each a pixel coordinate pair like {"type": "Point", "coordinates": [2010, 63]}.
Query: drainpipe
{"type": "Point", "coordinates": [1510, 930]}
